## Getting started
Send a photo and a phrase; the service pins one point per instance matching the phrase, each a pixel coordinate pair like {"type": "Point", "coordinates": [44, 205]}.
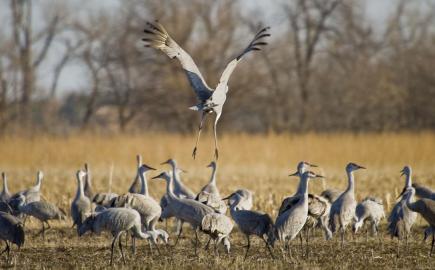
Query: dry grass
{"type": "Point", "coordinates": [259, 163]}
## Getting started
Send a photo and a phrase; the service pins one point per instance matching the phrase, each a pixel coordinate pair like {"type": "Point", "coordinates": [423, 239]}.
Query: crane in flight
{"type": "Point", "coordinates": [209, 100]}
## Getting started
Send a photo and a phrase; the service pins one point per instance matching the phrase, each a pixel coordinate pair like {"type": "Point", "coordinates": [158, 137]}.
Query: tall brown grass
{"type": "Point", "coordinates": [257, 162]}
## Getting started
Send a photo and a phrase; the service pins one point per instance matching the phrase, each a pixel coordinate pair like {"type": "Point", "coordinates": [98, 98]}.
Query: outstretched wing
{"type": "Point", "coordinates": [158, 38]}
{"type": "Point", "coordinates": [254, 45]}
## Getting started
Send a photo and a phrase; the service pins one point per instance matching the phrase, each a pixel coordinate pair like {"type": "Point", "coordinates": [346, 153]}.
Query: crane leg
{"type": "Point", "coordinates": [208, 243]}
{"type": "Point", "coordinates": [6, 248]}
{"type": "Point", "coordinates": [300, 237]}
{"type": "Point", "coordinates": [120, 248]}
{"type": "Point", "coordinates": [342, 236]}
{"type": "Point", "coordinates": [196, 242]}
{"type": "Point", "coordinates": [216, 150]}
{"type": "Point", "coordinates": [268, 247]}
{"type": "Point", "coordinates": [113, 247]}
{"type": "Point", "coordinates": [203, 115]}
{"type": "Point", "coordinates": [433, 242]}
{"type": "Point", "coordinates": [247, 247]}
{"type": "Point", "coordinates": [179, 234]}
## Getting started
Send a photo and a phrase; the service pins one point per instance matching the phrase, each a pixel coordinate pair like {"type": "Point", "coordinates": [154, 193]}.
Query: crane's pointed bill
{"type": "Point", "coordinates": [320, 176]}
{"type": "Point", "coordinates": [312, 165]}
{"type": "Point", "coordinates": [148, 167]}
{"type": "Point", "coordinates": [158, 176]}
{"type": "Point", "coordinates": [294, 174]}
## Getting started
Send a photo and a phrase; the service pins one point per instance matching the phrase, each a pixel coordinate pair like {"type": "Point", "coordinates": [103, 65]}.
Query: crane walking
{"type": "Point", "coordinates": [210, 100]}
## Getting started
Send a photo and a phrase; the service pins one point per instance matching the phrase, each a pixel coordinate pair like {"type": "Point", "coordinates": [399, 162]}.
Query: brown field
{"type": "Point", "coordinates": [259, 163]}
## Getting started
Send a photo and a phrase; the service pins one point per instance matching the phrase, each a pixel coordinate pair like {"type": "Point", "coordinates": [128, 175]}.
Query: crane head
{"type": "Point", "coordinates": [353, 167]}
{"type": "Point", "coordinates": [406, 170]}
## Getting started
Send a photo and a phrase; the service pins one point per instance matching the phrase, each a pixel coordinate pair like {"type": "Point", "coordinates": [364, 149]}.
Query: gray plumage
{"type": "Point", "coordinates": [343, 209]}
{"type": "Point", "coordinates": [5, 195]}
{"type": "Point", "coordinates": [370, 209]}
{"type": "Point", "coordinates": [41, 210]}
{"type": "Point", "coordinates": [426, 208]}
{"type": "Point", "coordinates": [210, 195]}
{"type": "Point", "coordinates": [145, 205]}
{"type": "Point", "coordinates": [88, 189]}
{"type": "Point", "coordinates": [219, 227]}
{"type": "Point", "coordinates": [104, 198]}
{"type": "Point", "coordinates": [291, 222]}
{"type": "Point", "coordinates": [244, 200]}
{"type": "Point", "coordinates": [136, 185]}
{"type": "Point", "coordinates": [180, 189]}
{"type": "Point", "coordinates": [331, 194]}
{"type": "Point", "coordinates": [401, 218]}
{"type": "Point", "coordinates": [32, 194]}
{"type": "Point", "coordinates": [11, 231]}
{"type": "Point", "coordinates": [251, 222]}
{"type": "Point", "coordinates": [423, 192]}
{"type": "Point", "coordinates": [184, 209]}
{"type": "Point", "coordinates": [81, 205]}
{"type": "Point", "coordinates": [210, 100]}
{"type": "Point", "coordinates": [116, 221]}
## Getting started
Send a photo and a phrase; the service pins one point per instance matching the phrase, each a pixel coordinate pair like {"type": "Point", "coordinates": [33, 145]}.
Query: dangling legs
{"type": "Point", "coordinates": [216, 151]}
{"type": "Point", "coordinates": [203, 115]}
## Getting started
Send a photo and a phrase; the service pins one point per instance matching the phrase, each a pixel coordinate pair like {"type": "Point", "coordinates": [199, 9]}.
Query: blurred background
{"type": "Point", "coordinates": [331, 65]}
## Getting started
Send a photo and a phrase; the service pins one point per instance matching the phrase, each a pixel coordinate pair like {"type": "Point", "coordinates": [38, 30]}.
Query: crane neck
{"type": "Point", "coordinates": [213, 175]}
{"type": "Point", "coordinates": [143, 183]}
{"type": "Point", "coordinates": [5, 185]}
{"type": "Point", "coordinates": [350, 182]}
{"type": "Point", "coordinates": [80, 190]}
{"type": "Point", "coordinates": [408, 181]}
{"type": "Point", "coordinates": [170, 188]}
{"type": "Point", "coordinates": [409, 201]}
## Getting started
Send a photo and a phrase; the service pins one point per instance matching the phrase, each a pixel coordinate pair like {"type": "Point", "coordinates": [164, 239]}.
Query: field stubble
{"type": "Point", "coordinates": [260, 163]}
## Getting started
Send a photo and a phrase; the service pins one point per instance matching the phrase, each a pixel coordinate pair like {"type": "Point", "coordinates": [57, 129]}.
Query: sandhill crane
{"type": "Point", "coordinates": [219, 227]}
{"type": "Point", "coordinates": [343, 208]}
{"type": "Point", "coordinates": [81, 205]}
{"type": "Point", "coordinates": [423, 192]}
{"type": "Point", "coordinates": [210, 195]}
{"type": "Point", "coordinates": [318, 207]}
{"type": "Point", "coordinates": [116, 221]}
{"type": "Point", "coordinates": [401, 218]}
{"type": "Point", "coordinates": [32, 194]}
{"type": "Point", "coordinates": [145, 205]}
{"type": "Point", "coordinates": [371, 209]}
{"type": "Point", "coordinates": [291, 222]}
{"type": "Point", "coordinates": [251, 222]}
{"type": "Point", "coordinates": [88, 189]}
{"type": "Point", "coordinates": [210, 100]}
{"type": "Point", "coordinates": [41, 210]}
{"type": "Point", "coordinates": [11, 230]}
{"type": "Point", "coordinates": [288, 202]}
{"type": "Point", "coordinates": [180, 189]}
{"type": "Point", "coordinates": [184, 209]}
{"type": "Point", "coordinates": [244, 199]}
{"type": "Point", "coordinates": [425, 207]}
{"type": "Point", "coordinates": [211, 187]}
{"type": "Point", "coordinates": [331, 194]}
{"type": "Point", "coordinates": [5, 195]}
{"type": "Point", "coordinates": [136, 185]}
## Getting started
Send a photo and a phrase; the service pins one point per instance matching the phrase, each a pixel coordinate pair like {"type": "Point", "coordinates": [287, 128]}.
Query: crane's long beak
{"type": "Point", "coordinates": [156, 177]}
{"type": "Point", "coordinates": [361, 167]}
{"type": "Point", "coordinates": [294, 174]}
{"type": "Point", "coordinates": [320, 176]}
{"type": "Point", "coordinates": [228, 197]}
{"type": "Point", "coordinates": [166, 162]}
{"type": "Point", "coordinates": [402, 172]}
{"type": "Point", "coordinates": [148, 167]}
{"type": "Point", "coordinates": [313, 165]}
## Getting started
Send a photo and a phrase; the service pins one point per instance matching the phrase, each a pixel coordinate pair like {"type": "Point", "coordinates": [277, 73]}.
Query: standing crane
{"type": "Point", "coordinates": [184, 209]}
{"type": "Point", "coordinates": [401, 217]}
{"type": "Point", "coordinates": [210, 100]}
{"type": "Point", "coordinates": [251, 222]}
{"type": "Point", "coordinates": [210, 195]}
{"type": "Point", "coordinates": [136, 185]}
{"type": "Point", "coordinates": [81, 205]}
{"type": "Point", "coordinates": [5, 195]}
{"type": "Point", "coordinates": [371, 209]}
{"type": "Point", "coordinates": [291, 222]}
{"type": "Point", "coordinates": [343, 209]}
{"type": "Point", "coordinates": [426, 208]}
{"type": "Point", "coordinates": [11, 230]}
{"type": "Point", "coordinates": [117, 221]}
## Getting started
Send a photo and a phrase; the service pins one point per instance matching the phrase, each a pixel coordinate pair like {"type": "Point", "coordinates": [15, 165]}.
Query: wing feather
{"type": "Point", "coordinates": [218, 96]}
{"type": "Point", "coordinates": [158, 38]}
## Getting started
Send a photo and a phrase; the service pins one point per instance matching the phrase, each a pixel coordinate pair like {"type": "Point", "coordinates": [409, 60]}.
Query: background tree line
{"type": "Point", "coordinates": [326, 67]}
